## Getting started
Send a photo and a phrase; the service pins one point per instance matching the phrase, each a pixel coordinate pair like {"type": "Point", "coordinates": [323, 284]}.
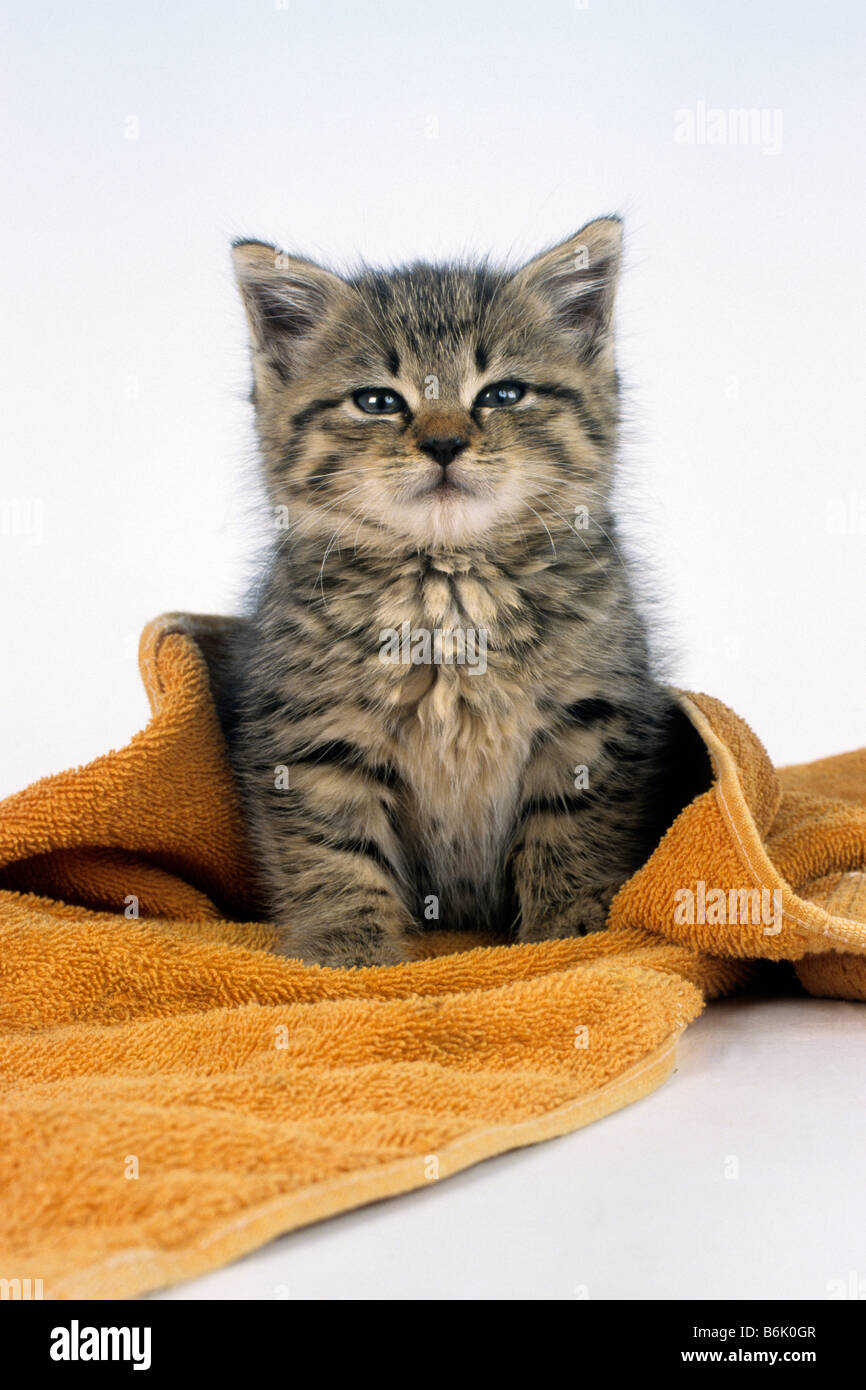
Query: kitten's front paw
{"type": "Point", "coordinates": [345, 951]}
{"type": "Point", "coordinates": [555, 926]}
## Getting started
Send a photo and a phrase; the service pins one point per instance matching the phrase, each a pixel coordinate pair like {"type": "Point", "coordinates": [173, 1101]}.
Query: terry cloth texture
{"type": "Point", "coordinates": [174, 1095]}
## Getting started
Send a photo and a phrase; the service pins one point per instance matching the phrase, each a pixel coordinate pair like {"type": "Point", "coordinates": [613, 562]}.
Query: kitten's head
{"type": "Point", "coordinates": [435, 407]}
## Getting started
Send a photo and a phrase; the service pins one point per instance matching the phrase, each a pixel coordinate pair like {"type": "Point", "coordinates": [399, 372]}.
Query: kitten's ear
{"type": "Point", "coordinates": [285, 297]}
{"type": "Point", "coordinates": [577, 282]}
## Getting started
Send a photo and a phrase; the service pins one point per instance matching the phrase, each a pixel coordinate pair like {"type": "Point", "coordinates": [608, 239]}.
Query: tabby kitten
{"type": "Point", "coordinates": [447, 713]}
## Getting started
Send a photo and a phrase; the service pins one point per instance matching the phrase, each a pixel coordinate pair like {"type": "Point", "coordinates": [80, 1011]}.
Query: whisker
{"type": "Point", "coordinates": [547, 529]}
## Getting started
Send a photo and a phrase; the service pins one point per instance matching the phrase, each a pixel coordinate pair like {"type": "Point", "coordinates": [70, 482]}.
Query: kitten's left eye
{"type": "Point", "coordinates": [378, 400]}
{"type": "Point", "coordinates": [501, 393]}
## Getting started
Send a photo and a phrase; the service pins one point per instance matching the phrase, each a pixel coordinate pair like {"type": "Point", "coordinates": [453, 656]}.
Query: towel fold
{"type": "Point", "coordinates": [174, 1095]}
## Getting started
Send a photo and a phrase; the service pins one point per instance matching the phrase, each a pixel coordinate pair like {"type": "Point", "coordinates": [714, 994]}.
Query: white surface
{"type": "Point", "coordinates": [637, 1205]}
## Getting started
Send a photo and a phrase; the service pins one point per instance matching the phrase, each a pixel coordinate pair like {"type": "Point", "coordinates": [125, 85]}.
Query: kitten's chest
{"type": "Point", "coordinates": [465, 722]}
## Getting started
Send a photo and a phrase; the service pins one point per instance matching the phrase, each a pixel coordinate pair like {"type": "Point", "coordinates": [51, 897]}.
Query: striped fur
{"type": "Point", "coordinates": [384, 797]}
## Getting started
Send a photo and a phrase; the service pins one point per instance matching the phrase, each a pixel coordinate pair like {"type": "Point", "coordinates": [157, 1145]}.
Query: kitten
{"type": "Point", "coordinates": [447, 712]}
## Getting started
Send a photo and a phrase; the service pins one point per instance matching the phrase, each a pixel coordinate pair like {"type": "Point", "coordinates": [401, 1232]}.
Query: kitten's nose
{"type": "Point", "coordinates": [444, 449]}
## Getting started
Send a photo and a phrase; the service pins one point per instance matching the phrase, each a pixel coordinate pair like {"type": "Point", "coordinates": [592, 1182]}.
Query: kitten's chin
{"type": "Point", "coordinates": [448, 516]}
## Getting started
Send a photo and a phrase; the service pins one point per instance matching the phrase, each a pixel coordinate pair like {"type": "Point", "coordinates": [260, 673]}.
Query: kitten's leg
{"type": "Point", "coordinates": [582, 826]}
{"type": "Point", "coordinates": [336, 907]}
{"type": "Point", "coordinates": [331, 863]}
{"type": "Point", "coordinates": [562, 877]}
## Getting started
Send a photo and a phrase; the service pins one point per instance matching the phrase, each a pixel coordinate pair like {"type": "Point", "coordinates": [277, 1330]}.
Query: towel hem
{"type": "Point", "coordinates": [136, 1272]}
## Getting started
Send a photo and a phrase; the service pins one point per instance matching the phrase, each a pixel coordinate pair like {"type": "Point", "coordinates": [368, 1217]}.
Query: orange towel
{"type": "Point", "coordinates": [174, 1095]}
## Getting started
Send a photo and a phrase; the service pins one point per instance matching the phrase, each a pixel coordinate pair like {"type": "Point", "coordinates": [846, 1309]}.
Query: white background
{"type": "Point", "coordinates": [345, 130]}
{"type": "Point", "coordinates": [137, 141]}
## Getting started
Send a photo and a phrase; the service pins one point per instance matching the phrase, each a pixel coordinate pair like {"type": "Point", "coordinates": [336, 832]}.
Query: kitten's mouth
{"type": "Point", "coordinates": [444, 489]}
{"type": "Point", "coordinates": [447, 489]}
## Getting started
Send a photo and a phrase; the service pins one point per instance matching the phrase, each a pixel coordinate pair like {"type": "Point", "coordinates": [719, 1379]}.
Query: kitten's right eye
{"type": "Point", "coordinates": [378, 400]}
